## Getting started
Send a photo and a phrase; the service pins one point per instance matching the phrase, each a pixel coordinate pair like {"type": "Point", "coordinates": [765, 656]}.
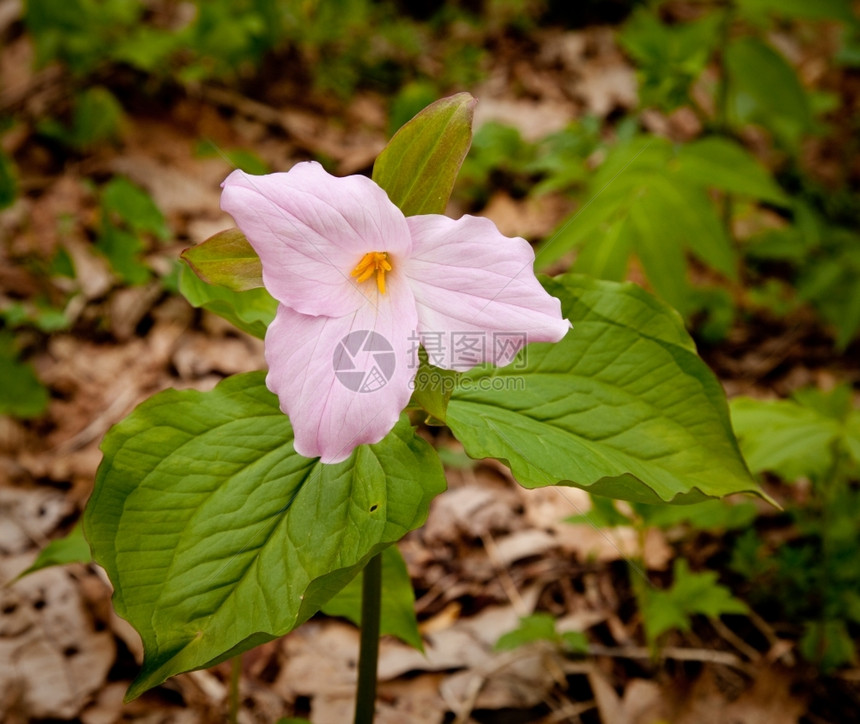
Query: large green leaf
{"type": "Point", "coordinates": [217, 536]}
{"type": "Point", "coordinates": [610, 258]}
{"type": "Point", "coordinates": [622, 406]}
{"type": "Point", "coordinates": [397, 616]}
{"type": "Point", "coordinates": [419, 165]}
{"type": "Point", "coordinates": [723, 164]}
{"type": "Point", "coordinates": [764, 89]}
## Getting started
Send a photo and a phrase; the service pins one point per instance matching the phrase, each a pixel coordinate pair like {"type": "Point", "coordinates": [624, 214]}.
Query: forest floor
{"type": "Point", "coordinates": [490, 551]}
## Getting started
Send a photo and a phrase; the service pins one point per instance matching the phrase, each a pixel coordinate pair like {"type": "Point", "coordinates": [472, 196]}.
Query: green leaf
{"type": "Point", "coordinates": [541, 627]}
{"type": "Point", "coordinates": [419, 165]}
{"type": "Point", "coordinates": [96, 119]}
{"type": "Point", "coordinates": [147, 48]}
{"type": "Point", "coordinates": [627, 170]}
{"type": "Point", "coordinates": [764, 89]}
{"type": "Point", "coordinates": [828, 279]}
{"type": "Point", "coordinates": [643, 205]}
{"type": "Point", "coordinates": [217, 536]}
{"type": "Point", "coordinates": [537, 627]}
{"type": "Point", "coordinates": [123, 249]}
{"type": "Point", "coordinates": [398, 601]}
{"type": "Point", "coordinates": [669, 58]}
{"type": "Point", "coordinates": [722, 164]}
{"type": "Point", "coordinates": [682, 215]}
{"type": "Point", "coordinates": [23, 395]}
{"type": "Point", "coordinates": [71, 549]}
{"type": "Point", "coordinates": [576, 642]}
{"type": "Point", "coordinates": [598, 214]}
{"type": "Point", "coordinates": [622, 406]}
{"type": "Point", "coordinates": [610, 258]}
{"type": "Point", "coordinates": [655, 238]}
{"type": "Point", "coordinates": [691, 593]}
{"type": "Point", "coordinates": [828, 644]}
{"type": "Point", "coordinates": [796, 438]}
{"type": "Point", "coordinates": [251, 311]}
{"type": "Point", "coordinates": [226, 259]}
{"type": "Point", "coordinates": [129, 205]}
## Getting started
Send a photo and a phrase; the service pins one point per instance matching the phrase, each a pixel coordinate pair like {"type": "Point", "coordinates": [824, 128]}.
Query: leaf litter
{"type": "Point", "coordinates": [490, 553]}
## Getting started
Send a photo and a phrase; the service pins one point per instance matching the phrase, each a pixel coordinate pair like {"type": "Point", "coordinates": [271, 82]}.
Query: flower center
{"type": "Point", "coordinates": [374, 262]}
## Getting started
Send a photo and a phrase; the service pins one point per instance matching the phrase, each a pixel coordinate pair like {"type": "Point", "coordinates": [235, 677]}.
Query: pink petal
{"type": "Point", "coordinates": [311, 229]}
{"type": "Point", "coordinates": [478, 298]}
{"type": "Point", "coordinates": [322, 369]}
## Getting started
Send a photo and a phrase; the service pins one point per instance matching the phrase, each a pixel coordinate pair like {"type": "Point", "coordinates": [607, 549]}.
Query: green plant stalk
{"type": "Point", "coordinates": [371, 603]}
{"type": "Point", "coordinates": [235, 675]}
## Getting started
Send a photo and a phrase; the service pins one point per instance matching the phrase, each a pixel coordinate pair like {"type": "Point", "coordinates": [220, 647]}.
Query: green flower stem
{"type": "Point", "coordinates": [235, 675]}
{"type": "Point", "coordinates": [371, 598]}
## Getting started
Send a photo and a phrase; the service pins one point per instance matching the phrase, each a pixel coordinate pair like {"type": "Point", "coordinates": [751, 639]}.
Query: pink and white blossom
{"type": "Point", "coordinates": [358, 285]}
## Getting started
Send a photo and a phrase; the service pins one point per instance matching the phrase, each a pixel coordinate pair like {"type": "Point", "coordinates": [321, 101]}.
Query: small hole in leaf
{"type": "Point", "coordinates": [373, 507]}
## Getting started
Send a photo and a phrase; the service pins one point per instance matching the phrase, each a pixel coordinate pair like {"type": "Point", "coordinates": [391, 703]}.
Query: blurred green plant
{"type": "Point", "coordinates": [543, 627]}
{"type": "Point", "coordinates": [691, 593]}
{"type": "Point", "coordinates": [96, 118]}
{"type": "Point", "coordinates": [500, 158]}
{"type": "Point", "coordinates": [128, 217]}
{"type": "Point", "coordinates": [654, 201]}
{"type": "Point", "coordinates": [813, 578]}
{"type": "Point", "coordinates": [823, 260]}
{"type": "Point", "coordinates": [669, 58]}
{"type": "Point", "coordinates": [339, 44]}
{"type": "Point", "coordinates": [23, 395]}
{"type": "Point", "coordinates": [672, 609]}
{"type": "Point", "coordinates": [673, 208]}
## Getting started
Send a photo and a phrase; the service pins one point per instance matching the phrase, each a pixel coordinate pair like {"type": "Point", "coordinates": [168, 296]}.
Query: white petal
{"type": "Point", "coordinates": [478, 298]}
{"type": "Point", "coordinates": [311, 229]}
{"type": "Point", "coordinates": [343, 381]}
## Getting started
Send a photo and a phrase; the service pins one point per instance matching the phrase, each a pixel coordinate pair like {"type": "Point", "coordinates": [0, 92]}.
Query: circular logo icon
{"type": "Point", "coordinates": [363, 361]}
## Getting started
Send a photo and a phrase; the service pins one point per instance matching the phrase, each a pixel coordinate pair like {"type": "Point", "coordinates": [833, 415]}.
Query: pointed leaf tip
{"type": "Point", "coordinates": [227, 260]}
{"type": "Point", "coordinates": [420, 164]}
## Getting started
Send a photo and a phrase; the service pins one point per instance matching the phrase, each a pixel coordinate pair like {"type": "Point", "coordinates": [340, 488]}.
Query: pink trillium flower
{"type": "Point", "coordinates": [359, 286]}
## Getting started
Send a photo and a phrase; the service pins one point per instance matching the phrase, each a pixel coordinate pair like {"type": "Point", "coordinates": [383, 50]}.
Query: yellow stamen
{"type": "Point", "coordinates": [373, 262]}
